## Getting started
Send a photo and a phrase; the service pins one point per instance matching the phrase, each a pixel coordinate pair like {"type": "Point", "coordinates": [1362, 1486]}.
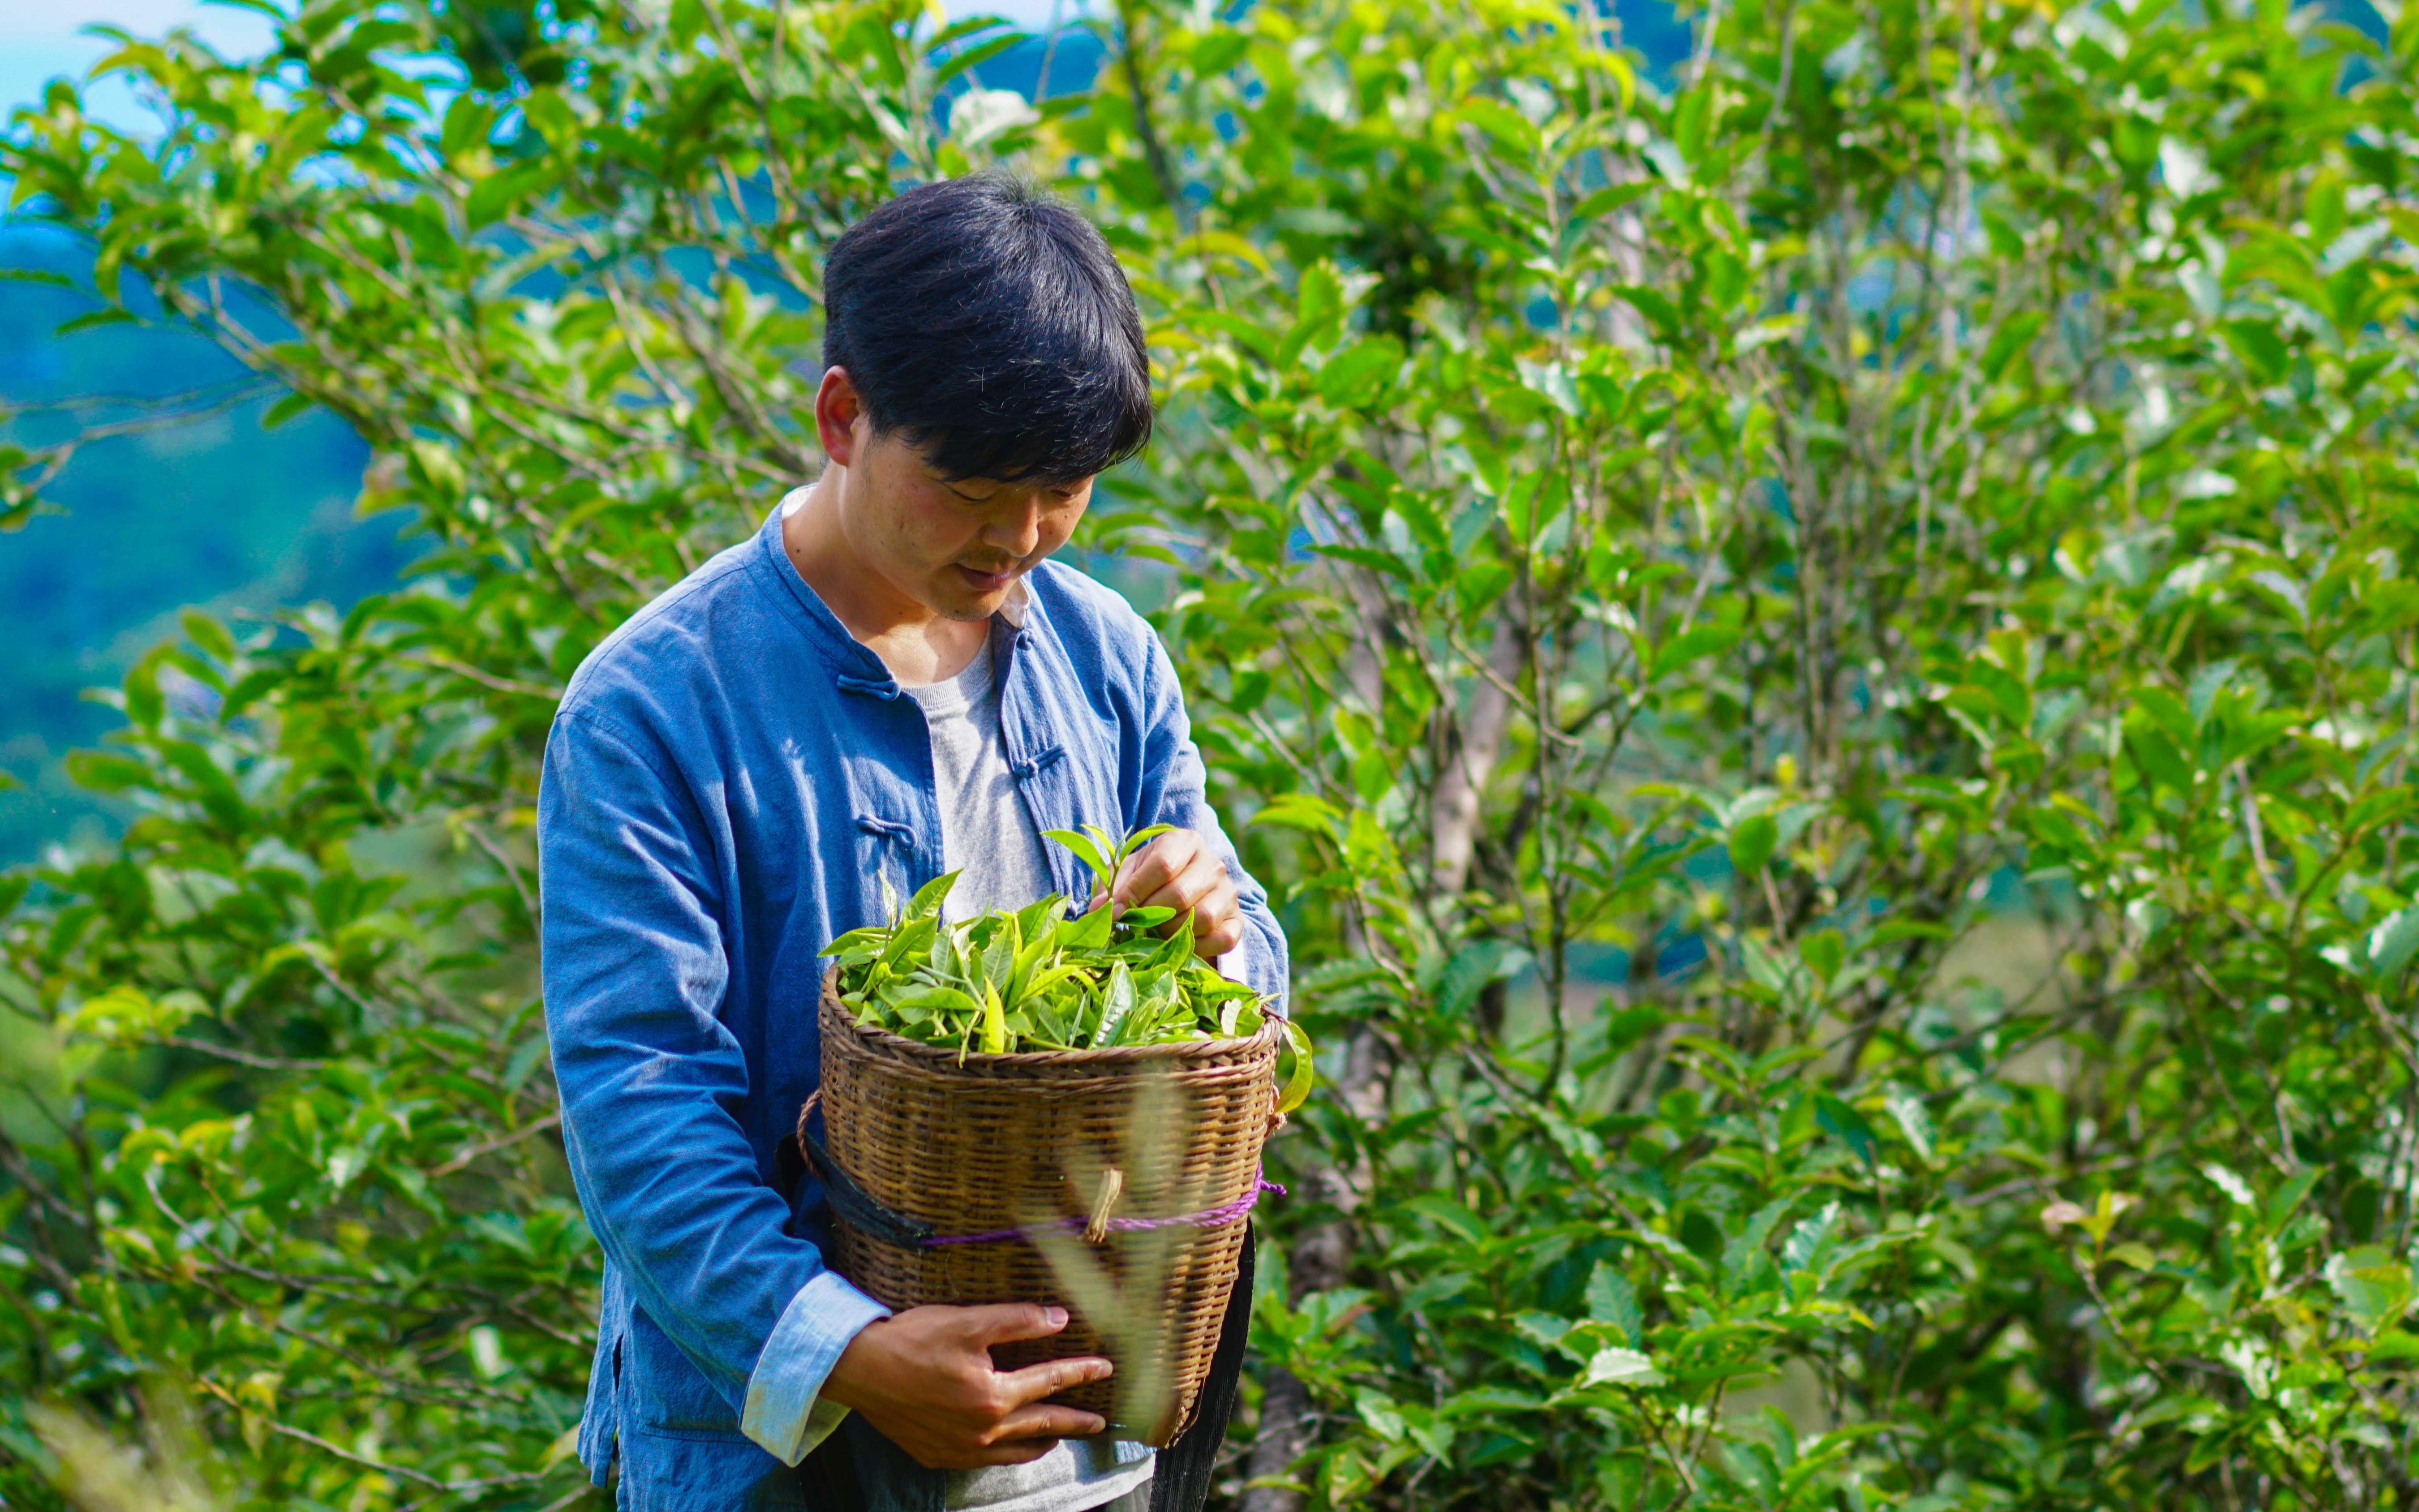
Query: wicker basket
{"type": "Point", "coordinates": [1002, 1142]}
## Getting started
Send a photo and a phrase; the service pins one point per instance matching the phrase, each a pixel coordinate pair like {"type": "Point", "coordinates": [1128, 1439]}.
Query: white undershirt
{"type": "Point", "coordinates": [989, 838]}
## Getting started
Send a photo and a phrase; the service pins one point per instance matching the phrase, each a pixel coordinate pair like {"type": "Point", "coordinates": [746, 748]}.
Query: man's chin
{"type": "Point", "coordinates": [964, 596]}
{"type": "Point", "coordinates": [970, 608]}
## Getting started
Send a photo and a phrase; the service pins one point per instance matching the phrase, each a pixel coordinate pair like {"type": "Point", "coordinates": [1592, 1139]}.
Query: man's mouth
{"type": "Point", "coordinates": [986, 582]}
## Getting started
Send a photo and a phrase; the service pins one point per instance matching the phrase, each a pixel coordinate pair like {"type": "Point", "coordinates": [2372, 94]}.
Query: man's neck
{"type": "Point", "coordinates": [918, 645]}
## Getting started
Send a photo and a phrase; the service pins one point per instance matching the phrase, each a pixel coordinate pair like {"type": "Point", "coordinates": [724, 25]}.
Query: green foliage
{"type": "Point", "coordinates": [295, 1139]}
{"type": "Point", "coordinates": [1820, 662]}
{"type": "Point", "coordinates": [1852, 693]}
{"type": "Point", "coordinates": [1036, 978]}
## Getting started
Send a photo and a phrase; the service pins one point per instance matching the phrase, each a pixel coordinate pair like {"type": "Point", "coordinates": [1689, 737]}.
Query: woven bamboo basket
{"type": "Point", "coordinates": [994, 1143]}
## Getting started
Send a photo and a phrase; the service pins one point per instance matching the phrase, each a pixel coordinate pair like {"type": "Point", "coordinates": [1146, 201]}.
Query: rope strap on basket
{"type": "Point", "coordinates": [871, 1216]}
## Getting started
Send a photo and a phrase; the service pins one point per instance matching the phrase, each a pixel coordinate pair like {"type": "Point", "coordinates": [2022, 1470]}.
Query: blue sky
{"type": "Point", "coordinates": [40, 40]}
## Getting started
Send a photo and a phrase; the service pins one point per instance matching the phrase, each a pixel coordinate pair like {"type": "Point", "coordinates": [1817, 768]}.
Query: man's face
{"type": "Point", "coordinates": [957, 548]}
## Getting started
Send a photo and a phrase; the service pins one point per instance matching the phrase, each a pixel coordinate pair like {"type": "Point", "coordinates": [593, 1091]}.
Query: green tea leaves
{"type": "Point", "coordinates": [2373, 1285]}
{"type": "Point", "coordinates": [1117, 1002]}
{"type": "Point", "coordinates": [2392, 944]}
{"type": "Point", "coordinates": [1298, 1081]}
{"type": "Point", "coordinates": [1752, 843]}
{"type": "Point", "coordinates": [1106, 856]}
{"type": "Point", "coordinates": [1091, 847]}
{"type": "Point", "coordinates": [1039, 977]}
{"type": "Point", "coordinates": [1613, 1365]}
{"type": "Point", "coordinates": [930, 896]}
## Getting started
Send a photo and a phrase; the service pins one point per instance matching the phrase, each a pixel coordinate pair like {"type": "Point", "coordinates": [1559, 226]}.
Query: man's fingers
{"type": "Point", "coordinates": [1045, 1420]}
{"type": "Point", "coordinates": [1151, 868]}
{"type": "Point", "coordinates": [1177, 871]}
{"type": "Point", "coordinates": [1050, 1378]}
{"type": "Point", "coordinates": [1185, 890]}
{"type": "Point", "coordinates": [1217, 903]}
{"type": "Point", "coordinates": [1143, 876]}
{"type": "Point", "coordinates": [1211, 944]}
{"type": "Point", "coordinates": [1209, 896]}
{"type": "Point", "coordinates": [1006, 1322]}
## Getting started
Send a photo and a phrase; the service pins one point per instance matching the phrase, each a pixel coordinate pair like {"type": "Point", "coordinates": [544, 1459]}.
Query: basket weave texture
{"type": "Point", "coordinates": [1005, 1141]}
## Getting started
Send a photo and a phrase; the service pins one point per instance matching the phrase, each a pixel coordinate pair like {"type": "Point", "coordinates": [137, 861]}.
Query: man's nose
{"type": "Point", "coordinates": [1016, 527]}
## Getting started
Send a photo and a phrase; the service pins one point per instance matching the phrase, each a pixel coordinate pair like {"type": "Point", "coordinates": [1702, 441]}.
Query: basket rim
{"type": "Point", "coordinates": [1271, 1033]}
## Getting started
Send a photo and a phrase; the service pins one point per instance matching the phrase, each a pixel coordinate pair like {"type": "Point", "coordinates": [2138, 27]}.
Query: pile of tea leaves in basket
{"type": "Point", "coordinates": [1038, 978]}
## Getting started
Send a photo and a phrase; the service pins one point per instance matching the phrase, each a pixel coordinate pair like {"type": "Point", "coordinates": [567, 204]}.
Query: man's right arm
{"type": "Point", "coordinates": [653, 1083]}
{"type": "Point", "coordinates": [652, 1087]}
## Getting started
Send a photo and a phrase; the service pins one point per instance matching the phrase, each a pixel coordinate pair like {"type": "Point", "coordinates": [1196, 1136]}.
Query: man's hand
{"type": "Point", "coordinates": [1180, 870]}
{"type": "Point", "coordinates": [924, 1378]}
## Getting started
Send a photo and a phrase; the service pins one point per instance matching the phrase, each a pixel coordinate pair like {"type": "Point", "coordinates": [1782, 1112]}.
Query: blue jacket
{"type": "Point", "coordinates": [729, 780]}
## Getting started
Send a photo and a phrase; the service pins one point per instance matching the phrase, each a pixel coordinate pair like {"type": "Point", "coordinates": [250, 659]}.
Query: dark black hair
{"type": "Point", "coordinates": [990, 326]}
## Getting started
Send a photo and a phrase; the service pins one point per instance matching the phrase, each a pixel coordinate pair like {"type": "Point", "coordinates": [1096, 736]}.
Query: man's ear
{"type": "Point", "coordinates": [838, 410]}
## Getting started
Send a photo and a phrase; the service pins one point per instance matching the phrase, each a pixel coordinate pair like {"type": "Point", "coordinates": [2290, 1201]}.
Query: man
{"type": "Point", "coordinates": [890, 681]}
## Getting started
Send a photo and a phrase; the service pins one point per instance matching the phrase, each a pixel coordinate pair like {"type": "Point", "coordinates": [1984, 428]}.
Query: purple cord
{"type": "Point", "coordinates": [1205, 1218]}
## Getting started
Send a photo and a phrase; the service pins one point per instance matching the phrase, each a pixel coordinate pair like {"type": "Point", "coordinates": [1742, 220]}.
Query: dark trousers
{"type": "Point", "coordinates": [1180, 1481]}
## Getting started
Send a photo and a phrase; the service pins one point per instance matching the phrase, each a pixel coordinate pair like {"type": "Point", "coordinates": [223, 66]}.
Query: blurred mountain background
{"type": "Point", "coordinates": [220, 512]}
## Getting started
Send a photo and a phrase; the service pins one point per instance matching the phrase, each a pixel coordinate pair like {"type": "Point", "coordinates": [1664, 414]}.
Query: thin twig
{"type": "Point", "coordinates": [536, 1126]}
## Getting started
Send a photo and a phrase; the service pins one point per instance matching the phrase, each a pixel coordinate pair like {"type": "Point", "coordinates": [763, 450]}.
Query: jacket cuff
{"type": "Point", "coordinates": [785, 1415]}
